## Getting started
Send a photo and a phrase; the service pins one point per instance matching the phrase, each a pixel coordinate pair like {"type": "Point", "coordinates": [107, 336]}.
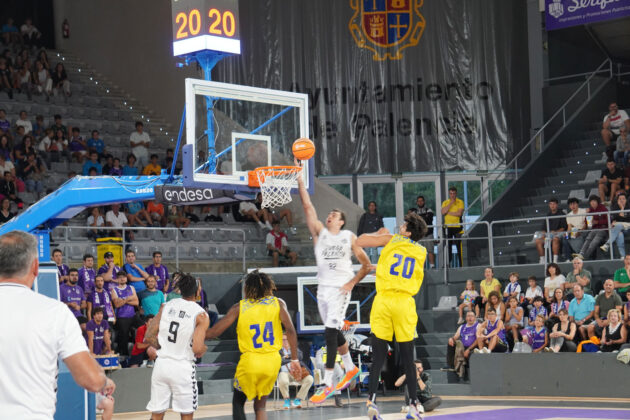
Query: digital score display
{"type": "Point", "coordinates": [200, 25]}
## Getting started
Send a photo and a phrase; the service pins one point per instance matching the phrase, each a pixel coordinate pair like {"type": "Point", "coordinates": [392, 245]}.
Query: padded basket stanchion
{"type": "Point", "coordinates": [275, 183]}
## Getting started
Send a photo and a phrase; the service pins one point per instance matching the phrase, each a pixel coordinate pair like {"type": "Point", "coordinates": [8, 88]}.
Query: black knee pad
{"type": "Point", "coordinates": [331, 347]}
{"type": "Point", "coordinates": [341, 340]}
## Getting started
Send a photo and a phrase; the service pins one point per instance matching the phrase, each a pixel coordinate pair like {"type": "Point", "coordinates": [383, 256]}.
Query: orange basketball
{"type": "Point", "coordinates": [303, 149]}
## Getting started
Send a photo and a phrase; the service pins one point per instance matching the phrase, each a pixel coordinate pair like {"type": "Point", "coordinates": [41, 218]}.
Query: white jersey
{"type": "Point", "coordinates": [333, 255]}
{"type": "Point", "coordinates": [176, 329]}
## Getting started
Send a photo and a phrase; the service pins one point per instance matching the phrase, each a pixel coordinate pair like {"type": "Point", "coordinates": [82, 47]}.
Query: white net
{"type": "Point", "coordinates": [275, 184]}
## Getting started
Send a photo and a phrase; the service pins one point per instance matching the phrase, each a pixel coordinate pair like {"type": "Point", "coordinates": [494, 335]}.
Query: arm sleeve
{"type": "Point", "coordinates": [70, 339]}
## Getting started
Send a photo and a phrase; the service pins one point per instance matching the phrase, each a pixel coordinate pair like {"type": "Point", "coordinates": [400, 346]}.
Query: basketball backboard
{"type": "Point", "coordinates": [250, 127]}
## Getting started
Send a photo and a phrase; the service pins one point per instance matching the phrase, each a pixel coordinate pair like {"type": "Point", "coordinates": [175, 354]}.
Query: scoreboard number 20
{"type": "Point", "coordinates": [221, 24]}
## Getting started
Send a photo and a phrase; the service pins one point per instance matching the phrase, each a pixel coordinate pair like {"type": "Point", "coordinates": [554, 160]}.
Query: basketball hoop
{"type": "Point", "coordinates": [275, 183]}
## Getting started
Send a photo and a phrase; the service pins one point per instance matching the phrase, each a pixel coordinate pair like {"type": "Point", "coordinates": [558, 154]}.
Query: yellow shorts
{"type": "Point", "coordinates": [256, 373]}
{"type": "Point", "coordinates": [394, 314]}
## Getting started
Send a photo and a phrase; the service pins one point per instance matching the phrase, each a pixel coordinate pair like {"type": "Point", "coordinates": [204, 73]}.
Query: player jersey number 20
{"type": "Point", "coordinates": [267, 334]}
{"type": "Point", "coordinates": [408, 265]}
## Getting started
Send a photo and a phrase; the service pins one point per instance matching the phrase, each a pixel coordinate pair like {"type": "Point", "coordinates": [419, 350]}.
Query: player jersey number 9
{"type": "Point", "coordinates": [408, 265]}
{"type": "Point", "coordinates": [267, 334]}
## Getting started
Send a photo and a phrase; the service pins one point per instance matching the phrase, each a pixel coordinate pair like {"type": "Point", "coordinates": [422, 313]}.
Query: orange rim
{"type": "Point", "coordinates": [252, 176]}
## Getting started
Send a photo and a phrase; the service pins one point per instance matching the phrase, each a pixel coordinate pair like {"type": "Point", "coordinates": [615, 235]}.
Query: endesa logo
{"type": "Point", "coordinates": [187, 195]}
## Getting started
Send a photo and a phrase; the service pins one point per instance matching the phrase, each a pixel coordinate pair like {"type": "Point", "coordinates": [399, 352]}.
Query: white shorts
{"type": "Point", "coordinates": [332, 304]}
{"type": "Point", "coordinates": [246, 206]}
{"type": "Point", "coordinates": [176, 378]}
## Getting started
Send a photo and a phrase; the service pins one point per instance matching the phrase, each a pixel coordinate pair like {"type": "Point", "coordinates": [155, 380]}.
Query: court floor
{"type": "Point", "coordinates": [452, 408]}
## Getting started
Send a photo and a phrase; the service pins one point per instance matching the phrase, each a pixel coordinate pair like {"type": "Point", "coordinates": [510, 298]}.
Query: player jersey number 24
{"type": "Point", "coordinates": [259, 327]}
{"type": "Point", "coordinates": [401, 266]}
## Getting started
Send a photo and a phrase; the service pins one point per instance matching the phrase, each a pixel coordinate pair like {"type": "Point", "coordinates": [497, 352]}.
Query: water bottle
{"type": "Point", "coordinates": [589, 221]}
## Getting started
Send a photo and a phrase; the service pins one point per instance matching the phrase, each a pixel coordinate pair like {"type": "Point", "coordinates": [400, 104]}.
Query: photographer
{"type": "Point", "coordinates": [425, 396]}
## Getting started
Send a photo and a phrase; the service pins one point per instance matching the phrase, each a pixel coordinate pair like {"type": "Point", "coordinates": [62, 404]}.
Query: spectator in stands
{"type": "Point", "coordinates": [151, 298]}
{"type": "Point", "coordinates": [43, 58]}
{"type": "Point", "coordinates": [174, 293]}
{"type": "Point", "coordinates": [96, 223]}
{"type": "Point", "coordinates": [125, 302]}
{"type": "Point", "coordinates": [6, 165]}
{"type": "Point", "coordinates": [581, 309]}
{"type": "Point", "coordinates": [87, 274]}
{"type": "Point", "coordinates": [491, 334]}
{"type": "Point", "coordinates": [38, 127]}
{"type": "Point", "coordinates": [117, 219]}
{"type": "Point", "coordinates": [495, 302]}
{"type": "Point", "coordinates": [562, 334]}
{"type": "Point", "coordinates": [136, 274]}
{"type": "Point", "coordinates": [370, 221]}
{"type": "Point", "coordinates": [285, 377]}
{"type": "Point", "coordinates": [210, 216]}
{"type": "Point", "coordinates": [6, 75]}
{"type": "Point", "coordinates": [136, 213]}
{"type": "Point", "coordinates": [557, 229]}
{"type": "Point", "coordinates": [190, 212]}
{"type": "Point", "coordinates": [613, 121]}
{"type": "Point", "coordinates": [32, 171]}
{"type": "Point", "coordinates": [277, 245]}
{"type": "Point", "coordinates": [578, 275]}
{"type": "Point", "coordinates": [96, 144]}
{"type": "Point", "coordinates": [604, 302]}
{"type": "Point", "coordinates": [92, 163]}
{"type": "Point", "coordinates": [58, 125]}
{"type": "Point", "coordinates": [598, 232]}
{"type": "Point", "coordinates": [538, 337]}
{"type": "Point", "coordinates": [427, 215]}
{"type": "Point", "coordinates": [98, 335]}
{"type": "Point", "coordinates": [620, 223]}
{"type": "Point", "coordinates": [614, 335]}
{"type": "Point", "coordinates": [142, 351]}
{"type": "Point", "coordinates": [622, 277]}
{"type": "Point", "coordinates": [557, 303]}
{"type": "Point", "coordinates": [26, 146]}
{"type": "Point", "coordinates": [462, 344]}
{"type": "Point", "coordinates": [512, 288]}
{"type": "Point", "coordinates": [116, 169]}
{"type": "Point", "coordinates": [140, 142]}
{"type": "Point", "coordinates": [610, 182]}
{"type": "Point", "coordinates": [109, 270]}
{"type": "Point", "coordinates": [626, 309]}
{"type": "Point", "coordinates": [156, 211]}
{"type": "Point", "coordinates": [10, 32]}
{"type": "Point", "coordinates": [514, 318]}
{"type": "Point", "coordinates": [153, 168]}
{"type": "Point", "coordinates": [43, 148]}
{"type": "Point", "coordinates": [23, 121]}
{"type": "Point", "coordinates": [58, 146]}
{"type": "Point", "coordinates": [30, 34]}
{"type": "Point", "coordinates": [60, 81]}
{"type": "Point", "coordinates": [622, 148]}
{"type": "Point", "coordinates": [62, 269]}
{"type": "Point", "coordinates": [452, 211]}
{"type": "Point", "coordinates": [5, 210]}
{"type": "Point", "coordinates": [160, 272]}
{"type": "Point", "coordinates": [77, 146]}
{"type": "Point", "coordinates": [23, 80]}
{"type": "Point", "coordinates": [8, 188]}
{"type": "Point", "coordinates": [468, 297]}
{"type": "Point", "coordinates": [424, 392]}
{"type": "Point", "coordinates": [42, 82]}
{"type": "Point", "coordinates": [536, 310]}
{"type": "Point", "coordinates": [177, 218]}
{"type": "Point", "coordinates": [130, 168]}
{"type": "Point", "coordinates": [554, 279]}
{"type": "Point", "coordinates": [487, 285]}
{"type": "Point", "coordinates": [5, 146]}
{"type": "Point", "coordinates": [100, 298]}
{"type": "Point", "coordinates": [249, 211]}
{"type": "Point", "coordinates": [109, 162]}
{"type": "Point", "coordinates": [72, 295]}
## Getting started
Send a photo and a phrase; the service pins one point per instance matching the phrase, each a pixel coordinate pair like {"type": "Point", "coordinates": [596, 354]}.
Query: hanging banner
{"type": "Point", "coordinates": [394, 85]}
{"type": "Point", "coordinates": [564, 13]}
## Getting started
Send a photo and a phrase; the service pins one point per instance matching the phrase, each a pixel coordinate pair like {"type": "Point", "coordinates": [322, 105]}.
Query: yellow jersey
{"type": "Point", "coordinates": [400, 267]}
{"type": "Point", "coordinates": [453, 221]}
{"type": "Point", "coordinates": [259, 328]}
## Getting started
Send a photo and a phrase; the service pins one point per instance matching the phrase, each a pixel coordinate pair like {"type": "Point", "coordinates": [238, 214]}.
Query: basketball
{"type": "Point", "coordinates": [303, 149]}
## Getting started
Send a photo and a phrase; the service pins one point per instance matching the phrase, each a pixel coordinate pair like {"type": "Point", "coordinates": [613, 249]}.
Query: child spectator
{"type": "Point", "coordinates": [98, 336]}
{"type": "Point", "coordinates": [116, 169]}
{"type": "Point", "coordinates": [156, 210]}
{"type": "Point", "coordinates": [491, 334]}
{"type": "Point", "coordinates": [23, 121]}
{"type": "Point", "coordinates": [142, 351]}
{"type": "Point", "coordinates": [151, 298]}
{"type": "Point", "coordinates": [109, 162]}
{"type": "Point", "coordinates": [534, 312]}
{"type": "Point", "coordinates": [93, 163]}
{"type": "Point", "coordinates": [468, 297]}
{"type": "Point", "coordinates": [77, 146]}
{"type": "Point", "coordinates": [58, 125]}
{"type": "Point", "coordinates": [58, 146]}
{"type": "Point", "coordinates": [614, 334]}
{"type": "Point", "coordinates": [532, 291]}
{"type": "Point", "coordinates": [563, 333]}
{"type": "Point", "coordinates": [514, 318]}
{"type": "Point", "coordinates": [100, 298]}
{"type": "Point", "coordinates": [96, 144]}
{"type": "Point", "coordinates": [495, 302]}
{"type": "Point", "coordinates": [130, 168]}
{"type": "Point", "coordinates": [153, 168]}
{"type": "Point", "coordinates": [41, 80]}
{"type": "Point", "coordinates": [538, 337]}
{"type": "Point", "coordinates": [513, 289]}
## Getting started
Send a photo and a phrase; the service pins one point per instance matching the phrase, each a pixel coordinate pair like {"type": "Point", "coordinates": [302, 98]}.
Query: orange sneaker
{"type": "Point", "coordinates": [322, 394]}
{"type": "Point", "coordinates": [345, 382]}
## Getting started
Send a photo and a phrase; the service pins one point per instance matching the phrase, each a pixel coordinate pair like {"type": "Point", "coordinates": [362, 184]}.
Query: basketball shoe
{"type": "Point", "coordinates": [372, 411]}
{"type": "Point", "coordinates": [345, 382]}
{"type": "Point", "coordinates": [322, 394]}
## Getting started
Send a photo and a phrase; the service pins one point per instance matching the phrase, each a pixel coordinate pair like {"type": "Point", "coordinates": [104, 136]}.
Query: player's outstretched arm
{"type": "Point", "coordinates": [366, 266]}
{"type": "Point", "coordinates": [150, 337]}
{"type": "Point", "coordinates": [285, 318]}
{"type": "Point", "coordinates": [313, 223]}
{"type": "Point", "coordinates": [224, 322]}
{"type": "Point", "coordinates": [371, 240]}
{"type": "Point", "coordinates": [199, 335]}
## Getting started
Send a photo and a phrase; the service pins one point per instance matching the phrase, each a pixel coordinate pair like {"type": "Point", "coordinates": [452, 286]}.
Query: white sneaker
{"type": "Point", "coordinates": [486, 350]}
{"type": "Point", "coordinates": [261, 224]}
{"type": "Point", "coordinates": [477, 351]}
{"type": "Point", "coordinates": [605, 247]}
{"type": "Point", "coordinates": [460, 321]}
{"type": "Point", "coordinates": [268, 225]}
{"type": "Point", "coordinates": [404, 409]}
{"type": "Point", "coordinates": [555, 259]}
{"type": "Point", "coordinates": [541, 260]}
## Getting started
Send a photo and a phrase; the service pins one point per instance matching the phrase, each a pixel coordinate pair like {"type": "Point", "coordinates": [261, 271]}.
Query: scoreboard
{"type": "Point", "coordinates": [200, 25]}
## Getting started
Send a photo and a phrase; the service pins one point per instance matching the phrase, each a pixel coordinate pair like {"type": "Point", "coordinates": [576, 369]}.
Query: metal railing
{"type": "Point", "coordinates": [536, 143]}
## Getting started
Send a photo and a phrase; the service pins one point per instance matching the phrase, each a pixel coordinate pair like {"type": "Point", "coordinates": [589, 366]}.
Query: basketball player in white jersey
{"type": "Point", "coordinates": [178, 332]}
{"type": "Point", "coordinates": [335, 279]}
